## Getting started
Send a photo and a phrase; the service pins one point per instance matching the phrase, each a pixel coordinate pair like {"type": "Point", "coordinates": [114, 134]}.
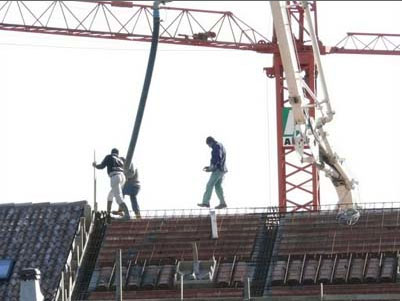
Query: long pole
{"type": "Point", "coordinates": [119, 282]}
{"type": "Point", "coordinates": [181, 287]}
{"type": "Point", "coordinates": [95, 202]}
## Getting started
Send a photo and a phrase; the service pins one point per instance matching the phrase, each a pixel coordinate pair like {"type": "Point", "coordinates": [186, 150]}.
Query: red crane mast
{"type": "Point", "coordinates": [298, 183]}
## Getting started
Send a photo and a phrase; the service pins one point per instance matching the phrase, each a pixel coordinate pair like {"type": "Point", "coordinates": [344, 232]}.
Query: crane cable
{"type": "Point", "coordinates": [145, 88]}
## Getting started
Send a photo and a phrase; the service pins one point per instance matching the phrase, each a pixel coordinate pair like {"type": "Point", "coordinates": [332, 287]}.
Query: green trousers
{"type": "Point", "coordinates": [214, 181]}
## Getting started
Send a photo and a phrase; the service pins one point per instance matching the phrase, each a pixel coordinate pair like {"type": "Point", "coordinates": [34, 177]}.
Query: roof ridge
{"type": "Point", "coordinates": [44, 204]}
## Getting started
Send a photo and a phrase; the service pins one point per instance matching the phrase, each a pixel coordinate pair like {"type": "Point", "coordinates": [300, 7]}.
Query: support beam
{"type": "Point", "coordinates": [214, 226]}
{"type": "Point", "coordinates": [119, 282]}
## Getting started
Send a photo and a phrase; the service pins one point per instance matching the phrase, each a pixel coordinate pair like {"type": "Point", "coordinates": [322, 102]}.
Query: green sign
{"type": "Point", "coordinates": [288, 126]}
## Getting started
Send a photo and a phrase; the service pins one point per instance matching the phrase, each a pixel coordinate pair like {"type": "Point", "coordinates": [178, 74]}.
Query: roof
{"type": "Point", "coordinates": [311, 247]}
{"type": "Point", "coordinates": [283, 255]}
{"type": "Point", "coordinates": [38, 236]}
{"type": "Point", "coordinates": [152, 249]}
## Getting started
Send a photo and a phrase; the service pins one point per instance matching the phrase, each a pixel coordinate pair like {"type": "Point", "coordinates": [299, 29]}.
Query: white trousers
{"type": "Point", "coordinates": [116, 182]}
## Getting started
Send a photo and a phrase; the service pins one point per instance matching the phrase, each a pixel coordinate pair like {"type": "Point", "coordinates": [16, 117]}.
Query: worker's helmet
{"type": "Point", "coordinates": [115, 151]}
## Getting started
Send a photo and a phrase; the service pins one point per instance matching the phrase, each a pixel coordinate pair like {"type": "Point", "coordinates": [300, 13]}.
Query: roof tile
{"type": "Point", "coordinates": [38, 236]}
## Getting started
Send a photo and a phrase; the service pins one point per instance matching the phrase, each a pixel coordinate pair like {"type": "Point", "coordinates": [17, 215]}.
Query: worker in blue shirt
{"type": "Point", "coordinates": [114, 165]}
{"type": "Point", "coordinates": [131, 188]}
{"type": "Point", "coordinates": [218, 169]}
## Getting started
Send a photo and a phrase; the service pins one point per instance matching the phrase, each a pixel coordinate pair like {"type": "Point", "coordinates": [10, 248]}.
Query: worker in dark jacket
{"type": "Point", "coordinates": [114, 165]}
{"type": "Point", "coordinates": [218, 169]}
{"type": "Point", "coordinates": [131, 188]}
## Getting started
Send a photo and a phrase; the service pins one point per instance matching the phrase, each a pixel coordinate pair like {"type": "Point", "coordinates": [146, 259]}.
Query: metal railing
{"type": "Point", "coordinates": [194, 212]}
{"type": "Point", "coordinates": [182, 213]}
{"type": "Point", "coordinates": [74, 260]}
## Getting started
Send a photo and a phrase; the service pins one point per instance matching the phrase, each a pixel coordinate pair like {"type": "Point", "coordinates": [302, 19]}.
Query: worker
{"type": "Point", "coordinates": [218, 168]}
{"type": "Point", "coordinates": [131, 188]}
{"type": "Point", "coordinates": [114, 165]}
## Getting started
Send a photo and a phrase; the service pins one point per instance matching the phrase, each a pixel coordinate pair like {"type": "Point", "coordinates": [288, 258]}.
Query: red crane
{"type": "Point", "coordinates": [123, 20]}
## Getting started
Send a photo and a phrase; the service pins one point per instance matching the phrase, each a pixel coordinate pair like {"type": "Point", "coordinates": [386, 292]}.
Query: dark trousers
{"type": "Point", "coordinates": [132, 191]}
{"type": "Point", "coordinates": [134, 204]}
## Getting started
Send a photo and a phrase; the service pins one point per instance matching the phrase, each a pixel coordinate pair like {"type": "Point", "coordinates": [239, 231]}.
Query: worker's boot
{"type": "Point", "coordinates": [120, 211]}
{"type": "Point", "coordinates": [221, 206]}
{"type": "Point", "coordinates": [137, 214]}
{"type": "Point", "coordinates": [125, 210]}
{"type": "Point", "coordinates": [109, 206]}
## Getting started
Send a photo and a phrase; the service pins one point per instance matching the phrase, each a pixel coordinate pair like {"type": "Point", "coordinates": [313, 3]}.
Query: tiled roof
{"type": "Point", "coordinates": [153, 247]}
{"type": "Point", "coordinates": [38, 236]}
{"type": "Point", "coordinates": [312, 248]}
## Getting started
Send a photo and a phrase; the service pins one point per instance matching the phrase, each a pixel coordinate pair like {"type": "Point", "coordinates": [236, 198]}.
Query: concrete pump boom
{"type": "Point", "coordinates": [310, 132]}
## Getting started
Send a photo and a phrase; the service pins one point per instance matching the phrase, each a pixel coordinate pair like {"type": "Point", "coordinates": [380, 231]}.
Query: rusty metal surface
{"type": "Point", "coordinates": [310, 271]}
{"type": "Point", "coordinates": [279, 272]}
{"type": "Point", "coordinates": [224, 276]}
{"type": "Point", "coordinates": [162, 294]}
{"type": "Point", "coordinates": [359, 259]}
{"type": "Point", "coordinates": [325, 271]}
{"type": "Point", "coordinates": [166, 276]}
{"type": "Point", "coordinates": [152, 247]}
{"type": "Point", "coordinates": [319, 233]}
{"type": "Point", "coordinates": [341, 270]}
{"type": "Point", "coordinates": [134, 277]}
{"type": "Point", "coordinates": [372, 270]}
{"type": "Point", "coordinates": [356, 270]}
{"type": "Point", "coordinates": [151, 276]}
{"type": "Point", "coordinates": [240, 274]}
{"type": "Point", "coordinates": [163, 239]}
{"type": "Point", "coordinates": [294, 271]}
{"type": "Point", "coordinates": [104, 278]}
{"type": "Point", "coordinates": [339, 289]}
{"type": "Point", "coordinates": [312, 248]}
{"type": "Point", "coordinates": [388, 269]}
